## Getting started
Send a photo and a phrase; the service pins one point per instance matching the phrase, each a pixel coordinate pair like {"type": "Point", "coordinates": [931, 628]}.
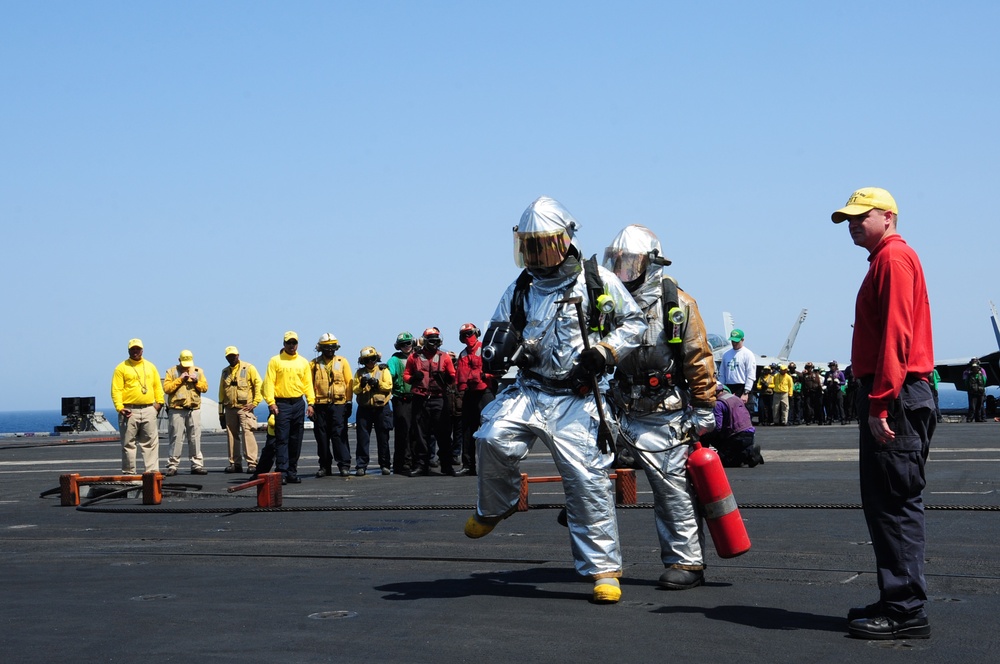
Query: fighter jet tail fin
{"type": "Point", "coordinates": [786, 350]}
{"type": "Point", "coordinates": [728, 323]}
{"type": "Point", "coordinates": [996, 323]}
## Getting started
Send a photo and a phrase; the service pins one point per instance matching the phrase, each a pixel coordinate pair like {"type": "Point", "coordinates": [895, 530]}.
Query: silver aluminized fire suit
{"type": "Point", "coordinates": [658, 419]}
{"type": "Point", "coordinates": [541, 405]}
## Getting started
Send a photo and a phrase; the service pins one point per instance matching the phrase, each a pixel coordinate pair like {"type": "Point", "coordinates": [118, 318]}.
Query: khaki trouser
{"type": "Point", "coordinates": [239, 420]}
{"type": "Point", "coordinates": [139, 428]}
{"type": "Point", "coordinates": [781, 408]}
{"type": "Point", "coordinates": [185, 423]}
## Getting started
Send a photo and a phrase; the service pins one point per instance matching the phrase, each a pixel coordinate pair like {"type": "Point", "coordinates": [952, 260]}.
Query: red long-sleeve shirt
{"type": "Point", "coordinates": [892, 323]}
{"type": "Point", "coordinates": [470, 369]}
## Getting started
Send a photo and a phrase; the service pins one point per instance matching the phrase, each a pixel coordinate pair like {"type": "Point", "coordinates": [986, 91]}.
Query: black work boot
{"type": "Point", "coordinates": [681, 579]}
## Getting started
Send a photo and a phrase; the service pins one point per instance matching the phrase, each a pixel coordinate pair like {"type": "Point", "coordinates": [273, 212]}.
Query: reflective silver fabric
{"type": "Point", "coordinates": [658, 421]}
{"type": "Point", "coordinates": [678, 524]}
{"type": "Point", "coordinates": [628, 254]}
{"type": "Point", "coordinates": [566, 423]}
{"type": "Point", "coordinates": [543, 236]}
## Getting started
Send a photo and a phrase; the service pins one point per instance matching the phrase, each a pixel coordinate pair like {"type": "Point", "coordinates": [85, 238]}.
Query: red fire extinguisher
{"type": "Point", "coordinates": [716, 497]}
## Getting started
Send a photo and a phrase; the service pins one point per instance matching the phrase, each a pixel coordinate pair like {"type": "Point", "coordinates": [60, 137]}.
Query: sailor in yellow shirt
{"type": "Point", "coordinates": [286, 381]}
{"type": "Point", "coordinates": [333, 383]}
{"type": "Point", "coordinates": [373, 388]}
{"type": "Point", "coordinates": [137, 395]}
{"type": "Point", "coordinates": [784, 385]}
{"type": "Point", "coordinates": [184, 384]}
{"type": "Point", "coordinates": [765, 397]}
{"type": "Point", "coordinates": [239, 394]}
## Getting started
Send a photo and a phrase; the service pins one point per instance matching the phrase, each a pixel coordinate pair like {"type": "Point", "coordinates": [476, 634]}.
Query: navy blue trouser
{"type": "Point", "coordinates": [330, 427]}
{"type": "Point", "coordinates": [472, 418]}
{"type": "Point", "coordinates": [369, 417]}
{"type": "Point", "coordinates": [288, 427]}
{"type": "Point", "coordinates": [892, 479]}
{"type": "Point", "coordinates": [430, 419]}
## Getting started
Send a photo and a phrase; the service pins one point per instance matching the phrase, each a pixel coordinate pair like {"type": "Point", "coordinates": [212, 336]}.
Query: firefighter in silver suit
{"type": "Point", "coordinates": [665, 389]}
{"type": "Point", "coordinates": [544, 402]}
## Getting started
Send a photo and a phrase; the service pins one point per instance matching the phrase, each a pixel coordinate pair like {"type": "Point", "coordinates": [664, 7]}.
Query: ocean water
{"type": "Point", "coordinates": [45, 421]}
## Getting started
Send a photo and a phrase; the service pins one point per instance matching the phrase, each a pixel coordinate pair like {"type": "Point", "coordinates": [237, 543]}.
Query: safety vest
{"type": "Point", "coordinates": [328, 381]}
{"type": "Point", "coordinates": [429, 385]}
{"type": "Point", "coordinates": [239, 391]}
{"type": "Point", "coordinates": [472, 369]}
{"type": "Point", "coordinates": [811, 382]}
{"type": "Point", "coordinates": [187, 395]}
{"type": "Point", "coordinates": [374, 396]}
{"type": "Point", "coordinates": [976, 382]}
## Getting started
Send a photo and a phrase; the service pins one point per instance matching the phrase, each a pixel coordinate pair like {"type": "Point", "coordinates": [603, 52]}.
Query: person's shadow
{"type": "Point", "coordinates": [528, 583]}
{"type": "Point", "coordinates": [763, 617]}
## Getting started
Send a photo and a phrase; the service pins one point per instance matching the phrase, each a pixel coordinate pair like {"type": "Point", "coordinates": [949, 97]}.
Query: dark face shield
{"type": "Point", "coordinates": [627, 266]}
{"type": "Point", "coordinates": [537, 250]}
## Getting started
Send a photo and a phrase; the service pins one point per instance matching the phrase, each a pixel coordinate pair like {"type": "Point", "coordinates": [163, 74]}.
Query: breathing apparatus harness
{"type": "Point", "coordinates": [652, 390]}
{"type": "Point", "coordinates": [503, 344]}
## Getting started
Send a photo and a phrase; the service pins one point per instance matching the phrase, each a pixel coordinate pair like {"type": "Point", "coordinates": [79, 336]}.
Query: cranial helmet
{"type": "Point", "coordinates": [402, 339]}
{"type": "Point", "coordinates": [543, 237]}
{"type": "Point", "coordinates": [326, 342]}
{"type": "Point", "coordinates": [432, 337]}
{"type": "Point", "coordinates": [368, 353]}
{"type": "Point", "coordinates": [629, 255]}
{"type": "Point", "coordinates": [468, 328]}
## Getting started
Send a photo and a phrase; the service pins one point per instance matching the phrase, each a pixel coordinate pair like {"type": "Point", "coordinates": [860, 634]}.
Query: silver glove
{"type": "Point", "coordinates": [701, 420]}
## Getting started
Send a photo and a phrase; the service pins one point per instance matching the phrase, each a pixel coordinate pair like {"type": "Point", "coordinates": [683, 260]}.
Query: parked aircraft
{"type": "Point", "coordinates": [951, 370]}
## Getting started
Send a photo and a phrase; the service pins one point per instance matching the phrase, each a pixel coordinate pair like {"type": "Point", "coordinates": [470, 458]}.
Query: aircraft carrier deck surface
{"type": "Point", "coordinates": [376, 569]}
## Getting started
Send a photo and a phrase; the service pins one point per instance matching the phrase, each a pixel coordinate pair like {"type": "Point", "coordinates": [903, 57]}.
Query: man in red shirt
{"type": "Point", "coordinates": [893, 355]}
{"type": "Point", "coordinates": [476, 389]}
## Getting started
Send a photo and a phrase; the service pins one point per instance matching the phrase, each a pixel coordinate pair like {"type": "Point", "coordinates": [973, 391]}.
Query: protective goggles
{"type": "Point", "coordinates": [540, 249]}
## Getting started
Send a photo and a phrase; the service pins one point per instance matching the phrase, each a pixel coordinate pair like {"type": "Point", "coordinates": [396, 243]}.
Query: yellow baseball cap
{"type": "Point", "coordinates": [231, 350]}
{"type": "Point", "coordinates": [186, 358]}
{"type": "Point", "coordinates": [291, 335]}
{"type": "Point", "coordinates": [135, 343]}
{"type": "Point", "coordinates": [863, 200]}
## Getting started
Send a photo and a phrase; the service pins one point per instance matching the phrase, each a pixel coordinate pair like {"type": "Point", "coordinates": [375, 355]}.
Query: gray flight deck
{"type": "Point", "coordinates": [376, 569]}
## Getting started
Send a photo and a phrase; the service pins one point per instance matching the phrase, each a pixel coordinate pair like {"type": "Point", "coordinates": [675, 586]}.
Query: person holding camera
{"type": "Point", "coordinates": [372, 389]}
{"type": "Point", "coordinates": [475, 388]}
{"type": "Point", "coordinates": [184, 384]}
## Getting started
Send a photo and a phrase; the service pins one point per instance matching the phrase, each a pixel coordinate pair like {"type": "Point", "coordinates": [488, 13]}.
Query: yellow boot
{"type": "Point", "coordinates": [481, 526]}
{"type": "Point", "coordinates": [478, 526]}
{"type": "Point", "coordinates": [607, 591]}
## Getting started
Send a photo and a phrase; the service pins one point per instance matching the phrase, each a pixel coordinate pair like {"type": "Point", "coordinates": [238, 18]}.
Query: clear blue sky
{"type": "Point", "coordinates": [204, 174]}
